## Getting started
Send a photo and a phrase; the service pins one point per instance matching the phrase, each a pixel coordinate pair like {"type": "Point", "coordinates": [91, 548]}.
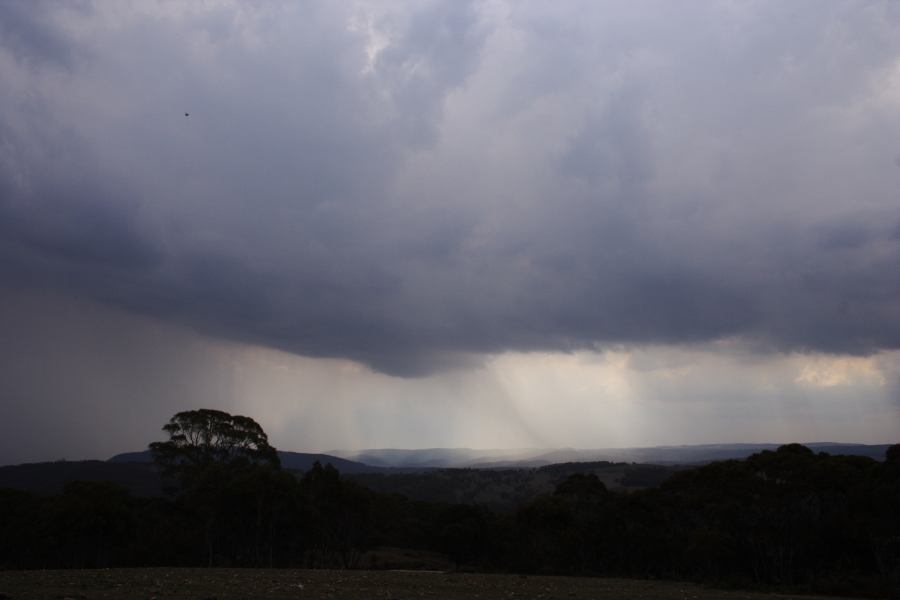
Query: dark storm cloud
{"type": "Point", "coordinates": [406, 185]}
{"type": "Point", "coordinates": [28, 31]}
{"type": "Point", "coordinates": [72, 226]}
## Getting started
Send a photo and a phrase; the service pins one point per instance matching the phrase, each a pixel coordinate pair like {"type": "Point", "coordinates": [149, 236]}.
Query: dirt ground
{"type": "Point", "coordinates": [232, 584]}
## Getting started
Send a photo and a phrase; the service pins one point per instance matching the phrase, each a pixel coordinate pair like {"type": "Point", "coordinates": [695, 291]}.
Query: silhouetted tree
{"type": "Point", "coordinates": [205, 437]}
{"type": "Point", "coordinates": [339, 517]}
{"type": "Point", "coordinates": [223, 468]}
{"type": "Point", "coordinates": [892, 455]}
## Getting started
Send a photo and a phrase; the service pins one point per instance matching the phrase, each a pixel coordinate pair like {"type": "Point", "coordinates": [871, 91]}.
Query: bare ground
{"type": "Point", "coordinates": [229, 584]}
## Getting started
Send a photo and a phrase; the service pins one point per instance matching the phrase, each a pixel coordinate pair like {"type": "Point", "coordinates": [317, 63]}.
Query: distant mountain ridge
{"type": "Point", "coordinates": [461, 474]}
{"type": "Point", "coordinates": [529, 457]}
{"type": "Point", "coordinates": [437, 458]}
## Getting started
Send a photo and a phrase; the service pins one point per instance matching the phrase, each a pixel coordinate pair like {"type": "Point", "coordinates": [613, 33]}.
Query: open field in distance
{"type": "Point", "coordinates": [228, 584]}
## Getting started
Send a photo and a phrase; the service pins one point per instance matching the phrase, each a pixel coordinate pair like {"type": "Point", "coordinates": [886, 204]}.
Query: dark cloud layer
{"type": "Point", "coordinates": [408, 185]}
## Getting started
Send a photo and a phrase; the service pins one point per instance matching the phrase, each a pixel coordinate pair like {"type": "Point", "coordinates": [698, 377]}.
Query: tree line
{"type": "Point", "coordinates": [789, 518]}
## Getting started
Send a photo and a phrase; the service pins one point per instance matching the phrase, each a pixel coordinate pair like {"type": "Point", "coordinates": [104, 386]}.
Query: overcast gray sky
{"type": "Point", "coordinates": [449, 223]}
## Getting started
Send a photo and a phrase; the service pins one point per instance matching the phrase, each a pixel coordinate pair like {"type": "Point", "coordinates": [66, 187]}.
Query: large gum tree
{"type": "Point", "coordinates": [222, 468]}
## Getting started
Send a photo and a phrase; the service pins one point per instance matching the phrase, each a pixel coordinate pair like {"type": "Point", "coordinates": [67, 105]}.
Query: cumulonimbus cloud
{"type": "Point", "coordinates": [410, 184]}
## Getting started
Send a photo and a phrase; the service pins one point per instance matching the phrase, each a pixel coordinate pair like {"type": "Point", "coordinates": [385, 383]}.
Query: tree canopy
{"type": "Point", "coordinates": [200, 438]}
{"type": "Point", "coordinates": [223, 468]}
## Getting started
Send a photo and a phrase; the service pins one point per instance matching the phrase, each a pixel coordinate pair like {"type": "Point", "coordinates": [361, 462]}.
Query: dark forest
{"type": "Point", "coordinates": [790, 519]}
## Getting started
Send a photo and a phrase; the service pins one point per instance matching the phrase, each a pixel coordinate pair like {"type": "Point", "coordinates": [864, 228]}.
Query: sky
{"type": "Point", "coordinates": [443, 223]}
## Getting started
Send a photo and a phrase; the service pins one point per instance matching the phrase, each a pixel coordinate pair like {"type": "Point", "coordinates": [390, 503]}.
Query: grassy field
{"type": "Point", "coordinates": [227, 584]}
